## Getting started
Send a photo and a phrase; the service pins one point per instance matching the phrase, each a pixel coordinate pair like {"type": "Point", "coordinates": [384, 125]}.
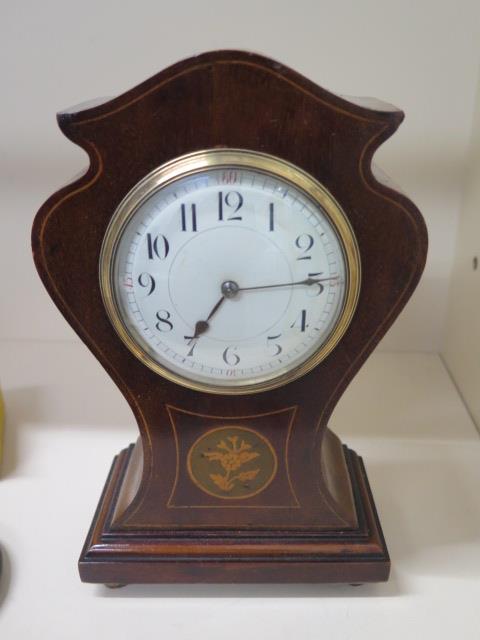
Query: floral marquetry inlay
{"type": "Point", "coordinates": [232, 462]}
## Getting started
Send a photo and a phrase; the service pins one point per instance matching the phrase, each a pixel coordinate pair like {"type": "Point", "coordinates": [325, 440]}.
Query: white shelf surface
{"type": "Point", "coordinates": [65, 422]}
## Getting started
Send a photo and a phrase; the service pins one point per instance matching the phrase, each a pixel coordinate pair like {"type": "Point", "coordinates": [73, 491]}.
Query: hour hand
{"type": "Point", "coordinates": [202, 325]}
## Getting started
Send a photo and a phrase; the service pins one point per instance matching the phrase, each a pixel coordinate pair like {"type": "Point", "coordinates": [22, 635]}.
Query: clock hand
{"type": "Point", "coordinates": [215, 308]}
{"type": "Point", "coordinates": [230, 289]}
{"type": "Point", "coordinates": [307, 281]}
{"type": "Point", "coordinates": [202, 325]}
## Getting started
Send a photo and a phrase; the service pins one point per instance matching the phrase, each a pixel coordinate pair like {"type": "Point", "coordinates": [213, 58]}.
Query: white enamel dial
{"type": "Point", "coordinates": [226, 277]}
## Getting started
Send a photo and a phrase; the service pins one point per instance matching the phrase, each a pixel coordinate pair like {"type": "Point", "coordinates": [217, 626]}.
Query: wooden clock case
{"type": "Point", "coordinates": [316, 520]}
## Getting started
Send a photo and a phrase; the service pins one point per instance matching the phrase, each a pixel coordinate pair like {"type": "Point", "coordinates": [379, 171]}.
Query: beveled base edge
{"type": "Point", "coordinates": [324, 557]}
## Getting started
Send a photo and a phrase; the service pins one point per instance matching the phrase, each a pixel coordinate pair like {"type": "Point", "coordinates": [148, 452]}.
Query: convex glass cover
{"type": "Point", "coordinates": [230, 271]}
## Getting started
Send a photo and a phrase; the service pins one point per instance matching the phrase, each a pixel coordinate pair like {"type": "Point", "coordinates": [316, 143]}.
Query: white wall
{"type": "Point", "coordinates": [422, 56]}
{"type": "Point", "coordinates": [462, 337]}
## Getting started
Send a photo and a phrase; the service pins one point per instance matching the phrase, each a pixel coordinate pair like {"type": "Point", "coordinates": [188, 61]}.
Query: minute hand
{"type": "Point", "coordinates": [307, 281]}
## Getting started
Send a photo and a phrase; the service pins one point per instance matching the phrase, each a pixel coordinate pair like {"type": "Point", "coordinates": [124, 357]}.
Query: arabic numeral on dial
{"type": "Point", "coordinates": [163, 324]}
{"type": "Point", "coordinates": [147, 281]}
{"type": "Point", "coordinates": [230, 357]}
{"type": "Point", "coordinates": [301, 321]}
{"type": "Point", "coordinates": [304, 242]}
{"type": "Point", "coordinates": [157, 247]}
{"type": "Point", "coordinates": [271, 217]}
{"type": "Point", "coordinates": [317, 288]}
{"type": "Point", "coordinates": [229, 176]}
{"type": "Point", "coordinates": [233, 200]}
{"type": "Point", "coordinates": [277, 348]}
{"type": "Point", "coordinates": [189, 220]}
{"type": "Point", "coordinates": [192, 344]}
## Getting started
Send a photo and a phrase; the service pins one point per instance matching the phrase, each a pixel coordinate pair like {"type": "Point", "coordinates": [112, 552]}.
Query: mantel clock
{"type": "Point", "coordinates": [231, 259]}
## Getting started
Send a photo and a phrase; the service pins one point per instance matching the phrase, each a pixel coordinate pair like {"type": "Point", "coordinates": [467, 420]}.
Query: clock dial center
{"type": "Point", "coordinates": [230, 288]}
{"type": "Point", "coordinates": [218, 262]}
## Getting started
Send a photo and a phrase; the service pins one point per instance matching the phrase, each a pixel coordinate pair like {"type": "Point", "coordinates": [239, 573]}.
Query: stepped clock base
{"type": "Point", "coordinates": [142, 557]}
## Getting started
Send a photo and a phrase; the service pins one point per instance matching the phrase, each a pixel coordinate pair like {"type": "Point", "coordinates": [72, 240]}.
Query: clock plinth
{"type": "Point", "coordinates": [232, 483]}
{"type": "Point", "coordinates": [117, 556]}
{"type": "Point", "coordinates": [234, 511]}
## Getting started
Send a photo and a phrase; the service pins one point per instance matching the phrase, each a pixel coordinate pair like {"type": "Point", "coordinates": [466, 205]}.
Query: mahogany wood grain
{"type": "Point", "coordinates": [317, 521]}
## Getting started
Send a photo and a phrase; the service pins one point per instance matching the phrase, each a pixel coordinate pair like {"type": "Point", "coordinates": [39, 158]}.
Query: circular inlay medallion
{"type": "Point", "coordinates": [232, 462]}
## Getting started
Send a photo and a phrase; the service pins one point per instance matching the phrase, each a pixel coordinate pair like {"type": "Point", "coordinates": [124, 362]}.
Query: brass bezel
{"type": "Point", "coordinates": [231, 158]}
